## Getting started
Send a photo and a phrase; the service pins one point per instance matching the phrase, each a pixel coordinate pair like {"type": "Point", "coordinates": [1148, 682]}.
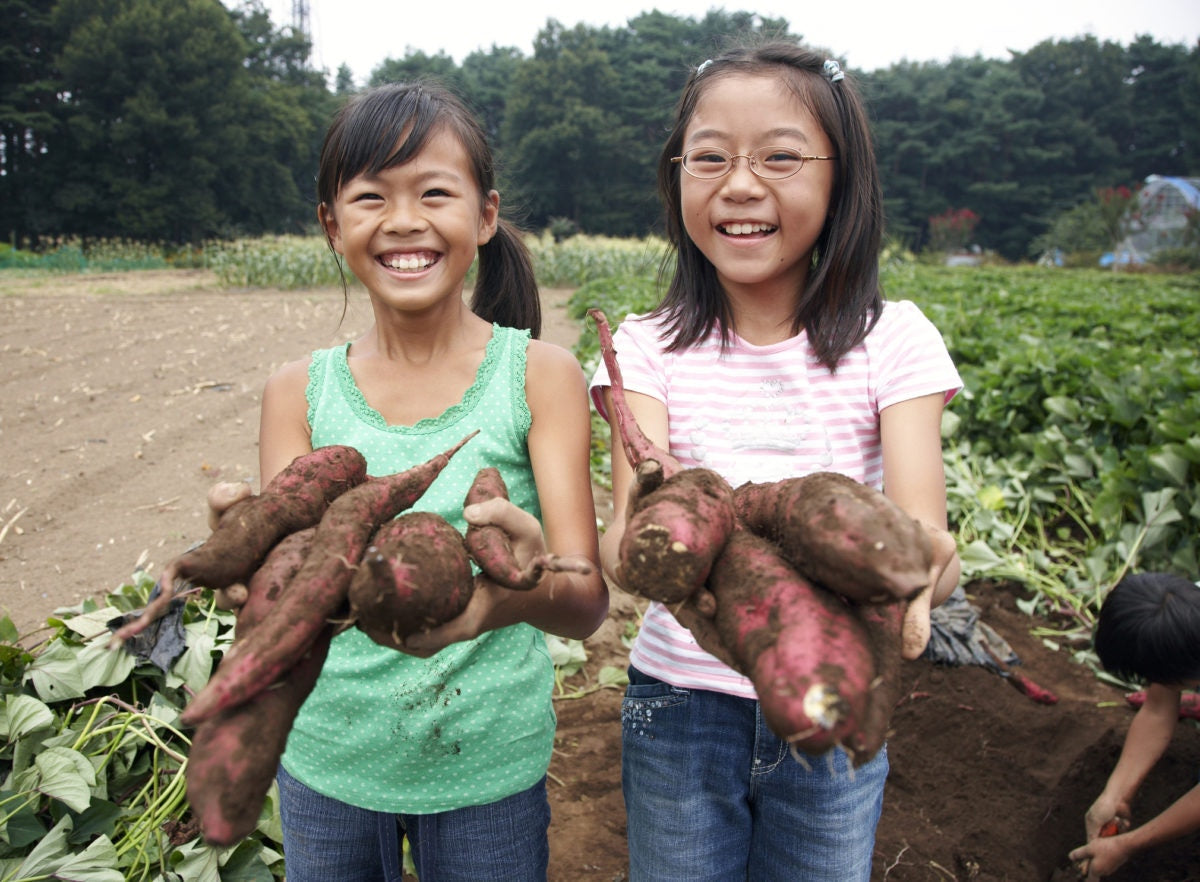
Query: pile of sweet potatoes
{"type": "Point", "coordinates": [800, 585]}
{"type": "Point", "coordinates": [322, 548]}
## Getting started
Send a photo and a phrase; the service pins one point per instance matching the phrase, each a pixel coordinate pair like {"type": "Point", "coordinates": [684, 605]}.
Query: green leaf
{"type": "Point", "coordinates": [8, 631]}
{"type": "Point", "coordinates": [194, 667]}
{"type": "Point", "coordinates": [89, 625]}
{"type": "Point", "coordinates": [101, 666]}
{"type": "Point", "coordinates": [978, 557]}
{"type": "Point", "coordinates": [568, 655]}
{"type": "Point", "coordinates": [66, 775]}
{"type": "Point", "coordinates": [1172, 466]}
{"type": "Point", "coordinates": [22, 827]}
{"type": "Point", "coordinates": [100, 819]}
{"type": "Point", "coordinates": [611, 675]}
{"type": "Point", "coordinates": [55, 673]}
{"type": "Point", "coordinates": [47, 855]}
{"type": "Point", "coordinates": [196, 862]}
{"type": "Point", "coordinates": [22, 714]}
{"type": "Point", "coordinates": [1067, 408]}
{"type": "Point", "coordinates": [246, 864]}
{"type": "Point", "coordinates": [96, 863]}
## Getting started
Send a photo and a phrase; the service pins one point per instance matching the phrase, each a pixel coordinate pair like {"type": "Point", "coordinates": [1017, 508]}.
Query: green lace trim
{"type": "Point", "coordinates": [369, 415]}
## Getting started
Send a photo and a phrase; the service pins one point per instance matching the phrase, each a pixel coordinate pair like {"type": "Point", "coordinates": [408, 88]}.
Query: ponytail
{"type": "Point", "coordinates": [506, 289]}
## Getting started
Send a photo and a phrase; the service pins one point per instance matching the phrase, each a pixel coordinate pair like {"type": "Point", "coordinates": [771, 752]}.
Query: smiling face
{"type": "Point", "coordinates": [410, 232]}
{"type": "Point", "coordinates": [758, 234]}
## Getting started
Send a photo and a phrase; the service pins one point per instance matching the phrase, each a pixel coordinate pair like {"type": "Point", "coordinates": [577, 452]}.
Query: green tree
{"type": "Point", "coordinates": [170, 131]}
{"type": "Point", "coordinates": [567, 144]}
{"type": "Point", "coordinates": [28, 86]}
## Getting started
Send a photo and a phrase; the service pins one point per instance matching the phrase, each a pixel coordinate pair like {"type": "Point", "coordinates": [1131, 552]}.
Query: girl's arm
{"type": "Point", "coordinates": [570, 605]}
{"type": "Point", "coordinates": [283, 431]}
{"type": "Point", "coordinates": [652, 419]}
{"type": "Point", "coordinates": [914, 478]}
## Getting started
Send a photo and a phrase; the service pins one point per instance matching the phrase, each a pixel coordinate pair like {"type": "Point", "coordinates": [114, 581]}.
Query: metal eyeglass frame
{"type": "Point", "coordinates": [752, 160]}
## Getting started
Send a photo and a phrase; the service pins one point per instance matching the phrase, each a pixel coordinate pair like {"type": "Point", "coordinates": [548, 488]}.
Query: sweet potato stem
{"type": "Point", "coordinates": [637, 446]}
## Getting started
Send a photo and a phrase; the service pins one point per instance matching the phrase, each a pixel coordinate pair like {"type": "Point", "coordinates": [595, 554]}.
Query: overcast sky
{"type": "Point", "coordinates": [864, 34]}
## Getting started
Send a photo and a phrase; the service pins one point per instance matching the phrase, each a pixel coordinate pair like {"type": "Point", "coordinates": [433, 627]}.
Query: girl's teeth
{"type": "Point", "coordinates": [408, 263]}
{"type": "Point", "coordinates": [745, 229]}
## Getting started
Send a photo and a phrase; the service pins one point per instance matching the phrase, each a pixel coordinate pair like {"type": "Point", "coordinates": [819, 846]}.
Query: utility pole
{"type": "Point", "coordinates": [300, 21]}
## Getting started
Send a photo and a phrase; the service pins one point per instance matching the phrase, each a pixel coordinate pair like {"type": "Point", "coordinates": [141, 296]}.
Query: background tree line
{"type": "Point", "coordinates": [183, 120]}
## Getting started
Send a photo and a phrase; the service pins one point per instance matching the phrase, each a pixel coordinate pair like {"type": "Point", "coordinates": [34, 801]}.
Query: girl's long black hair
{"type": "Point", "coordinates": [841, 300]}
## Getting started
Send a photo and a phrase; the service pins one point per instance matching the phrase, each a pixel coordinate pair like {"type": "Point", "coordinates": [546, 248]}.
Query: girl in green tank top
{"type": "Point", "coordinates": [439, 741]}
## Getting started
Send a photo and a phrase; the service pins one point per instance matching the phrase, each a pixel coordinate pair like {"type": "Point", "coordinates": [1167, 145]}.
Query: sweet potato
{"type": "Point", "coordinates": [414, 576]}
{"type": "Point", "coordinates": [680, 517]}
{"type": "Point", "coordinates": [673, 535]}
{"type": "Point", "coordinates": [1189, 703]}
{"type": "Point", "coordinates": [810, 660]}
{"type": "Point", "coordinates": [319, 589]}
{"type": "Point", "coordinates": [884, 624]}
{"type": "Point", "coordinates": [234, 754]}
{"type": "Point", "coordinates": [294, 499]}
{"type": "Point", "coordinates": [489, 545]}
{"type": "Point", "coordinates": [841, 533]}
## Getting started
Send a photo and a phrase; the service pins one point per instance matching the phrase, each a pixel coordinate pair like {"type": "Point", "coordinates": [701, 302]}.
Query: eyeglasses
{"type": "Point", "coordinates": [772, 163]}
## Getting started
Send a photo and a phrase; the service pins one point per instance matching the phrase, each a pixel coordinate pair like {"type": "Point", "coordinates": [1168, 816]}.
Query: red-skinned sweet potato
{"type": "Point", "coordinates": [234, 755]}
{"type": "Point", "coordinates": [489, 546]}
{"type": "Point", "coordinates": [680, 517]}
{"type": "Point", "coordinates": [414, 576]}
{"type": "Point", "coordinates": [810, 660]}
{"type": "Point", "coordinates": [294, 499]}
{"type": "Point", "coordinates": [673, 535]}
{"type": "Point", "coordinates": [841, 533]}
{"type": "Point", "coordinates": [884, 623]}
{"type": "Point", "coordinates": [319, 589]}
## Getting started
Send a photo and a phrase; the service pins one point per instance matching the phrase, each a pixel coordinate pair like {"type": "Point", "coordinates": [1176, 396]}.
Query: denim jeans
{"type": "Point", "coordinates": [325, 839]}
{"type": "Point", "coordinates": [712, 795]}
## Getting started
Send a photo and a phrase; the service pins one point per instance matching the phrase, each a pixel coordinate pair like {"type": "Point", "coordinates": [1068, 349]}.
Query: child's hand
{"type": "Point", "coordinates": [917, 628]}
{"type": "Point", "coordinates": [221, 497]}
{"type": "Point", "coordinates": [1102, 814]}
{"type": "Point", "coordinates": [523, 530]}
{"type": "Point", "coordinates": [1102, 857]}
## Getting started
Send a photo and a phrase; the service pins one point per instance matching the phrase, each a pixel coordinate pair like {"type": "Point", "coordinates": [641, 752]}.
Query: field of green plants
{"type": "Point", "coordinates": [1072, 455]}
{"type": "Point", "coordinates": [1073, 452]}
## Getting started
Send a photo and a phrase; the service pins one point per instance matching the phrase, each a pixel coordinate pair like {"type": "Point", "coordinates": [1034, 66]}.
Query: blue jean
{"type": "Point", "coordinates": [712, 795]}
{"type": "Point", "coordinates": [325, 839]}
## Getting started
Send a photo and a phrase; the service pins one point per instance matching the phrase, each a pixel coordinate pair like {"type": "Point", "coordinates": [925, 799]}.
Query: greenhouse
{"type": "Point", "coordinates": [1167, 209]}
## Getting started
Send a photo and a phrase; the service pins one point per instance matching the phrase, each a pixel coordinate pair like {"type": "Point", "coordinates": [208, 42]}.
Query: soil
{"type": "Point", "coordinates": [125, 396]}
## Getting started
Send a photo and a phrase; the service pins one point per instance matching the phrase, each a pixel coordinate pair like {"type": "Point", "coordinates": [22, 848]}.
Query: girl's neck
{"type": "Point", "coordinates": [762, 317]}
{"type": "Point", "coordinates": [421, 338]}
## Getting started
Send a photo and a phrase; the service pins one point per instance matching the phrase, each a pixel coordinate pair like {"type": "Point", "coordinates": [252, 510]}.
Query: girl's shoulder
{"type": "Point", "coordinates": [293, 373]}
{"type": "Point", "coordinates": [542, 356]}
{"type": "Point", "coordinates": [900, 320]}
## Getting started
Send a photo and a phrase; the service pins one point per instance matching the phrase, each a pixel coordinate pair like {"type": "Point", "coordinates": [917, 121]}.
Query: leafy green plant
{"type": "Point", "coordinates": [93, 759]}
{"type": "Point", "coordinates": [1073, 452]}
{"type": "Point", "coordinates": [93, 762]}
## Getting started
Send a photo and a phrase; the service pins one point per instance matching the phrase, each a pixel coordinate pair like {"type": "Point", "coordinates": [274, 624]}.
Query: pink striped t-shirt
{"type": "Point", "coordinates": [763, 413]}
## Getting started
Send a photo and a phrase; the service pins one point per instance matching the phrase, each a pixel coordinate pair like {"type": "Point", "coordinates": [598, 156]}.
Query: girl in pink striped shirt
{"type": "Point", "coordinates": [771, 355]}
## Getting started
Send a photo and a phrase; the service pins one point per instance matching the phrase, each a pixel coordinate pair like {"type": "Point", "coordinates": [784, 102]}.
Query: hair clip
{"type": "Point", "coordinates": [702, 66]}
{"type": "Point", "coordinates": [833, 70]}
